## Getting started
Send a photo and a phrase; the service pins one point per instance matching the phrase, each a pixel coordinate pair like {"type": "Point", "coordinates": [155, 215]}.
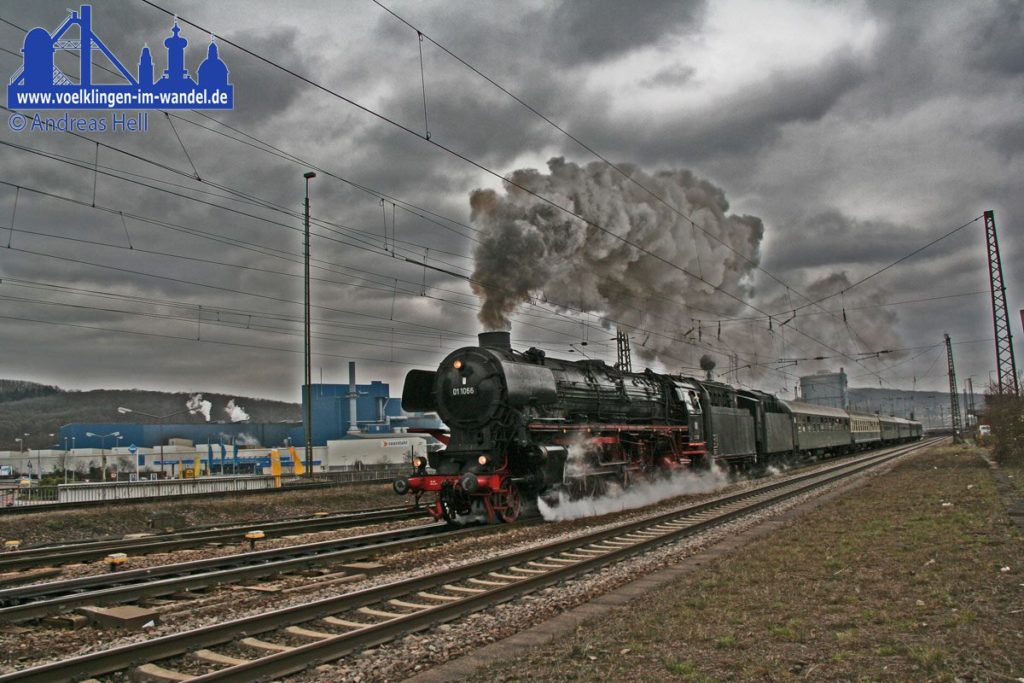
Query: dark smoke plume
{"type": "Point", "coordinates": [529, 248]}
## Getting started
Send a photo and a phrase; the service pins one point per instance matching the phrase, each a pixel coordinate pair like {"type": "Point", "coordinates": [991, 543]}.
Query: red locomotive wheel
{"type": "Point", "coordinates": [507, 502]}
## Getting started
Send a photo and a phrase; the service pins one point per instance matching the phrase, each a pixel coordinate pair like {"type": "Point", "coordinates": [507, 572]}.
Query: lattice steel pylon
{"type": "Point", "coordinates": [625, 361]}
{"type": "Point", "coordinates": [954, 398]}
{"type": "Point", "coordinates": [1006, 364]}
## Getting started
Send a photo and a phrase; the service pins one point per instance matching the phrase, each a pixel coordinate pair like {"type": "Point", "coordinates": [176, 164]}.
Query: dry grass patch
{"type": "Point", "coordinates": [900, 580]}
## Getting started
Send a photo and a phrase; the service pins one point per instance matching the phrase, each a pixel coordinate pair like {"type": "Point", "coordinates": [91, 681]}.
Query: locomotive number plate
{"type": "Point", "coordinates": [463, 391]}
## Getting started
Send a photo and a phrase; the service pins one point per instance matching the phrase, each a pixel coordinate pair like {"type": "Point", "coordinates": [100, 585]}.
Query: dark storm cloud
{"type": "Point", "coordinates": [671, 76]}
{"type": "Point", "coordinates": [585, 32]}
{"type": "Point", "coordinates": [741, 123]}
{"type": "Point", "coordinates": [852, 159]}
{"type": "Point", "coordinates": [262, 92]}
{"type": "Point", "coordinates": [840, 240]}
{"type": "Point", "coordinates": [998, 45]}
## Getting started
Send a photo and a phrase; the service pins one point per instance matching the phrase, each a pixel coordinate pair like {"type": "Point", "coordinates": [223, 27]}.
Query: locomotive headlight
{"type": "Point", "coordinates": [417, 462]}
{"type": "Point", "coordinates": [457, 364]}
{"type": "Point", "coordinates": [482, 460]}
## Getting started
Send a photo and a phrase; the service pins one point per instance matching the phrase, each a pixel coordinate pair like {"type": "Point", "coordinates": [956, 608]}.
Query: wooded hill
{"type": "Point", "coordinates": [40, 410]}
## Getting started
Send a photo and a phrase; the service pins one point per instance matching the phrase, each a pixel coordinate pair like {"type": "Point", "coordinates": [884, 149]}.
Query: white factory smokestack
{"type": "Point", "coordinates": [353, 399]}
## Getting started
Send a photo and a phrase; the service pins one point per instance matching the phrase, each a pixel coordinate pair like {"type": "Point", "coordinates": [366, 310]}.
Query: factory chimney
{"type": "Point", "coordinates": [353, 400]}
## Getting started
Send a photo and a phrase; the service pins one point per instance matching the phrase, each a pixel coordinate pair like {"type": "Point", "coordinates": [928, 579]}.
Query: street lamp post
{"type": "Point", "coordinates": [26, 449]}
{"type": "Point", "coordinates": [103, 448]}
{"type": "Point", "coordinates": [39, 461]}
{"type": "Point", "coordinates": [307, 393]}
{"type": "Point", "coordinates": [160, 420]}
{"type": "Point", "coordinates": [117, 445]}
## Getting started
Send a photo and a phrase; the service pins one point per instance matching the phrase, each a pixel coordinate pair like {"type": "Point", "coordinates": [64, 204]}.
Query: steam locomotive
{"type": "Point", "coordinates": [523, 424]}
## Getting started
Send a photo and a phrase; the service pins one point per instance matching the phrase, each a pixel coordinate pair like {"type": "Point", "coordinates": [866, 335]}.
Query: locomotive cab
{"type": "Point", "coordinates": [686, 396]}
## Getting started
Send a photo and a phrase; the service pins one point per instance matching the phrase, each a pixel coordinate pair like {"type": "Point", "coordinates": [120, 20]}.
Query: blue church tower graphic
{"type": "Point", "coordinates": [40, 83]}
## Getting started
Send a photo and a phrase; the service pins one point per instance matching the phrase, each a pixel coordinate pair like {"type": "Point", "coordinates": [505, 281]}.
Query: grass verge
{"type": "Point", "coordinates": [917, 575]}
{"type": "Point", "coordinates": [63, 525]}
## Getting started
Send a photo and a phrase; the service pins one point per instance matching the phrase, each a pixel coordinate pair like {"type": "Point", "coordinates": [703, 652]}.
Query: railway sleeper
{"type": "Point", "coordinates": [264, 645]}
{"type": "Point", "coordinates": [410, 605]}
{"type": "Point", "coordinates": [157, 674]}
{"type": "Point", "coordinates": [217, 658]}
{"type": "Point", "coordinates": [379, 613]}
{"type": "Point", "coordinates": [602, 547]}
{"type": "Point", "coordinates": [541, 565]}
{"type": "Point", "coordinates": [485, 582]}
{"type": "Point", "coordinates": [345, 623]}
{"type": "Point", "coordinates": [440, 598]}
{"type": "Point", "coordinates": [463, 589]}
{"type": "Point", "coordinates": [309, 633]}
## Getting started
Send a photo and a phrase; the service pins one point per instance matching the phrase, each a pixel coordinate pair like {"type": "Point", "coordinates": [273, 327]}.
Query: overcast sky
{"type": "Point", "coordinates": [855, 132]}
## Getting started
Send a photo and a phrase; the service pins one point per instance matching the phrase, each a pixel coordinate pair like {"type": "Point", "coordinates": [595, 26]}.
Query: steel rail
{"type": "Point", "coordinates": [507, 576]}
{"type": "Point", "coordinates": [43, 599]}
{"type": "Point", "coordinates": [68, 553]}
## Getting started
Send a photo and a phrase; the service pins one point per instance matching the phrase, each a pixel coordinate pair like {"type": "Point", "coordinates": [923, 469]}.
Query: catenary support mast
{"type": "Point", "coordinates": [1006, 364]}
{"type": "Point", "coordinates": [954, 398]}
{"type": "Point", "coordinates": [625, 361]}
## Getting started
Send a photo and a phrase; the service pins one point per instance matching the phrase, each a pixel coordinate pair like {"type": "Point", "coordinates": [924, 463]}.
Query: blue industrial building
{"type": "Point", "coordinates": [269, 434]}
{"type": "Point", "coordinates": [332, 410]}
{"type": "Point", "coordinates": [376, 413]}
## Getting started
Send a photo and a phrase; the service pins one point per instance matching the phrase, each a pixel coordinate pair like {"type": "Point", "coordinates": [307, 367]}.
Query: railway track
{"type": "Point", "coordinates": [285, 641]}
{"type": "Point", "coordinates": [54, 597]}
{"type": "Point", "coordinates": [70, 553]}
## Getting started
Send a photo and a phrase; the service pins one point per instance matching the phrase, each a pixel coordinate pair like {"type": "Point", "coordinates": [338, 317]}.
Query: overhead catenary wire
{"type": "Point", "coordinates": [249, 198]}
{"type": "Point", "coordinates": [485, 169]}
{"type": "Point", "coordinates": [622, 172]}
{"type": "Point", "coordinates": [202, 315]}
{"type": "Point", "coordinates": [432, 267]}
{"type": "Point", "coordinates": [817, 341]}
{"type": "Point", "coordinates": [256, 143]}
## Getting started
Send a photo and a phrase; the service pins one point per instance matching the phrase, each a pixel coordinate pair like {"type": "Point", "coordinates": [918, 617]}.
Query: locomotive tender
{"type": "Point", "coordinates": [524, 424]}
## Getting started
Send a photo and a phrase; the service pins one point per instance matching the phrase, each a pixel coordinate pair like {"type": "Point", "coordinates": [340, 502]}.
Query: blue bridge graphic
{"type": "Point", "coordinates": [40, 84]}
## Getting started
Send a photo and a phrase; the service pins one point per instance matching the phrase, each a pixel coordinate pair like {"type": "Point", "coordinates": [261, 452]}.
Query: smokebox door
{"type": "Point", "coordinates": [418, 392]}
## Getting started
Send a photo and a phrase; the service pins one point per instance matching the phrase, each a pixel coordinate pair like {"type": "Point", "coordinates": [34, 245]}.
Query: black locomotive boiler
{"type": "Point", "coordinates": [523, 424]}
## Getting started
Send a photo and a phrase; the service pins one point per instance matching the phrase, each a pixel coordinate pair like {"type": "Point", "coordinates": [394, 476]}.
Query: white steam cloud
{"type": "Point", "coordinates": [235, 412]}
{"type": "Point", "coordinates": [196, 404]}
{"type": "Point", "coordinates": [581, 459]}
{"type": "Point", "coordinates": [244, 439]}
{"type": "Point", "coordinates": [640, 494]}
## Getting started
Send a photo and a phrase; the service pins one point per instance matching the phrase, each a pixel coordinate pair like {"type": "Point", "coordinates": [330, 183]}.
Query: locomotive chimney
{"type": "Point", "coordinates": [496, 340]}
